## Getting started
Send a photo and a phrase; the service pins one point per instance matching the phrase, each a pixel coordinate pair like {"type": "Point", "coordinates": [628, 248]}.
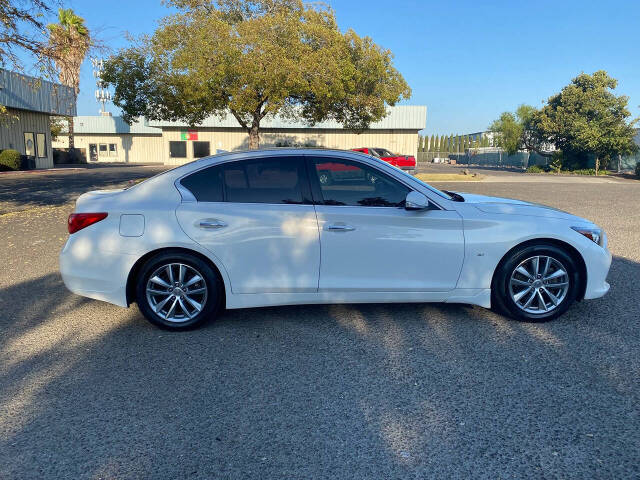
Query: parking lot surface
{"type": "Point", "coordinates": [91, 390]}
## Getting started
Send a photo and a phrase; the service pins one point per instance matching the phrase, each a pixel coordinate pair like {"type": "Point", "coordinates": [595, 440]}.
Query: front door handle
{"type": "Point", "coordinates": [212, 224]}
{"type": "Point", "coordinates": [339, 227]}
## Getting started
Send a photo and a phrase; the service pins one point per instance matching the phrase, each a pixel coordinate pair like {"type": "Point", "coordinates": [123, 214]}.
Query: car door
{"type": "Point", "coordinates": [257, 218]}
{"type": "Point", "coordinates": [369, 242]}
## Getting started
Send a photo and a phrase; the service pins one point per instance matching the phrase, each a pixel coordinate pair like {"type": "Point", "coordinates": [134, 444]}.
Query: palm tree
{"type": "Point", "coordinates": [69, 42]}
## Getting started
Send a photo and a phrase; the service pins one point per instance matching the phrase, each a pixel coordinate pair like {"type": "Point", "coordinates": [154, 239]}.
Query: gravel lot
{"type": "Point", "coordinates": [91, 390]}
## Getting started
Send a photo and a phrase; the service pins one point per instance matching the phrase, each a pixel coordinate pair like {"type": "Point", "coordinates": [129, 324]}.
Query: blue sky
{"type": "Point", "coordinates": [468, 61]}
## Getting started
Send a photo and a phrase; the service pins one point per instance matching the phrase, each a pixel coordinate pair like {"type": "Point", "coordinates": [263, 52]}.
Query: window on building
{"type": "Point", "coordinates": [178, 149]}
{"type": "Point", "coordinates": [41, 145]}
{"type": "Point", "coordinates": [344, 182]}
{"type": "Point", "coordinates": [272, 180]}
{"type": "Point", "coordinates": [102, 150]}
{"type": "Point", "coordinates": [113, 150]}
{"type": "Point", "coordinates": [29, 144]}
{"type": "Point", "coordinates": [200, 149]}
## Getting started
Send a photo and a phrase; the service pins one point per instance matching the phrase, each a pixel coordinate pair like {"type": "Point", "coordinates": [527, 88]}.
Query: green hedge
{"type": "Point", "coordinates": [10, 160]}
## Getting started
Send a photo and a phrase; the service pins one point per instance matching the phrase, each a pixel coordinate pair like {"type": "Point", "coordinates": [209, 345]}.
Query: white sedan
{"type": "Point", "coordinates": [292, 226]}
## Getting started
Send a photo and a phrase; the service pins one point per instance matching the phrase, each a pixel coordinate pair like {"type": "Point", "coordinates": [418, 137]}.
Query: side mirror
{"type": "Point", "coordinates": [416, 201]}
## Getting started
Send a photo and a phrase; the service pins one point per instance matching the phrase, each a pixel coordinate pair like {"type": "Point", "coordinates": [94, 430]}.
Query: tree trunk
{"type": "Point", "coordinates": [70, 131]}
{"type": "Point", "coordinates": [254, 137]}
{"type": "Point", "coordinates": [597, 165]}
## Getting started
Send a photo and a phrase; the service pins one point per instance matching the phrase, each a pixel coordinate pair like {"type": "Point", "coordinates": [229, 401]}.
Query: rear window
{"type": "Point", "coordinates": [271, 180]}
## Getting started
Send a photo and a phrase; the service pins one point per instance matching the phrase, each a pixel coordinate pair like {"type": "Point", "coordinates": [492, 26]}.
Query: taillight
{"type": "Point", "coordinates": [78, 221]}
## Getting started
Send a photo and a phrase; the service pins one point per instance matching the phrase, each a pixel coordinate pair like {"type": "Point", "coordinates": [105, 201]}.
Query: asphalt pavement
{"type": "Point", "coordinates": [89, 390]}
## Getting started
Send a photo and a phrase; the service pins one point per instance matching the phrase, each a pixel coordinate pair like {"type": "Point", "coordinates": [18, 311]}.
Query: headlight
{"type": "Point", "coordinates": [593, 234]}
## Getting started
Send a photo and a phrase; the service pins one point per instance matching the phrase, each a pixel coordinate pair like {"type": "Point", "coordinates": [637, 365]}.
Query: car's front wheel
{"type": "Point", "coordinates": [536, 283]}
{"type": "Point", "coordinates": [177, 291]}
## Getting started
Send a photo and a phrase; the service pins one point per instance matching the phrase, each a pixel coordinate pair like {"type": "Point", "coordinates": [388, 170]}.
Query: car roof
{"type": "Point", "coordinates": [277, 151]}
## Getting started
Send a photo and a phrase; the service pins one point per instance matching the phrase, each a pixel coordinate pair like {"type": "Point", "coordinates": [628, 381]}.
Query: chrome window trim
{"type": "Point", "coordinates": [256, 154]}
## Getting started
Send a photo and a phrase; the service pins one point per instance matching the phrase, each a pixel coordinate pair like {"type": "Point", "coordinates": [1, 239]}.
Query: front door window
{"type": "Point", "coordinates": [349, 183]}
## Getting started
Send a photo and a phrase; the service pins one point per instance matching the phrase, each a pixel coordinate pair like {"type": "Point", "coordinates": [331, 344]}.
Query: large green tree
{"type": "Point", "coordinates": [587, 117]}
{"type": "Point", "coordinates": [254, 59]}
{"type": "Point", "coordinates": [516, 131]}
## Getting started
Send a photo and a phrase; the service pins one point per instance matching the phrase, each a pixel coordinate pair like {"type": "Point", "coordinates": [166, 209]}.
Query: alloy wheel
{"type": "Point", "coordinates": [176, 292]}
{"type": "Point", "coordinates": [539, 284]}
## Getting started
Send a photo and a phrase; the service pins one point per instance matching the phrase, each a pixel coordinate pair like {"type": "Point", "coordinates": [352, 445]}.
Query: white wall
{"type": "Point", "coordinates": [403, 142]}
{"type": "Point", "coordinates": [130, 148]}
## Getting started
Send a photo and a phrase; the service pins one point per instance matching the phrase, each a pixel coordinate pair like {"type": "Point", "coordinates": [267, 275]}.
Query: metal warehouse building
{"type": "Point", "coordinates": [29, 102]}
{"type": "Point", "coordinates": [110, 139]}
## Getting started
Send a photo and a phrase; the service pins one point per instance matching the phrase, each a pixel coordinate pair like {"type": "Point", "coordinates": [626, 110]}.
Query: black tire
{"type": "Point", "coordinates": [504, 303]}
{"type": "Point", "coordinates": [212, 301]}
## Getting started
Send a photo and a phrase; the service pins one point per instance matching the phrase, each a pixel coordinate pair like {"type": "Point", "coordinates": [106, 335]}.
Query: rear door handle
{"type": "Point", "coordinates": [340, 227]}
{"type": "Point", "coordinates": [212, 224]}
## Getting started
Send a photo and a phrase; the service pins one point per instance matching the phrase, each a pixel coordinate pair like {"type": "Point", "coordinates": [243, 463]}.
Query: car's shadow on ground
{"type": "Point", "coordinates": [340, 391]}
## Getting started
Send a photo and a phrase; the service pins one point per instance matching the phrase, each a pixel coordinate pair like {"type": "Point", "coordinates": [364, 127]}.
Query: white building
{"type": "Point", "coordinates": [110, 139]}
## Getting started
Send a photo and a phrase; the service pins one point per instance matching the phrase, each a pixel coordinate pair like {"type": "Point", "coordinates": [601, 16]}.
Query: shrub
{"type": "Point", "coordinates": [557, 162]}
{"type": "Point", "coordinates": [589, 171]}
{"type": "Point", "coordinates": [10, 160]}
{"type": "Point", "coordinates": [638, 169]}
{"type": "Point", "coordinates": [535, 169]}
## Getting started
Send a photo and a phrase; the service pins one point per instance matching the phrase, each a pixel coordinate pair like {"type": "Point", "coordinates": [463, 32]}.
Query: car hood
{"type": "Point", "coordinates": [510, 206]}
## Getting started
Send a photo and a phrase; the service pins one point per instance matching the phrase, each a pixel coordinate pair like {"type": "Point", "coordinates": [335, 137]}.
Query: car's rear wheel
{"type": "Point", "coordinates": [536, 283]}
{"type": "Point", "coordinates": [178, 291]}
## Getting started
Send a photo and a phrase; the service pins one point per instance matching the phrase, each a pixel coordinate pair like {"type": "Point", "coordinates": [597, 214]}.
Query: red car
{"type": "Point", "coordinates": [405, 162]}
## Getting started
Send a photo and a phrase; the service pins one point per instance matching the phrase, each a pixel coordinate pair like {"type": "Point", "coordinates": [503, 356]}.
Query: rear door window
{"type": "Point", "coordinates": [269, 180]}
